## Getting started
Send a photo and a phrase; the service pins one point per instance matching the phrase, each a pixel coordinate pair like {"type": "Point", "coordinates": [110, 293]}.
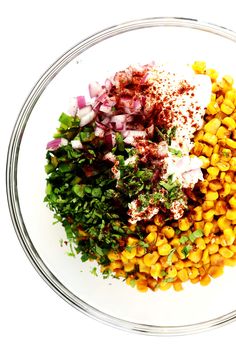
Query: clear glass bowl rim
{"type": "Point", "coordinates": [12, 163]}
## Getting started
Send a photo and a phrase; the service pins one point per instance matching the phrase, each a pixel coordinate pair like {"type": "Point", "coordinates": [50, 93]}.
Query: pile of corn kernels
{"type": "Point", "coordinates": [168, 258]}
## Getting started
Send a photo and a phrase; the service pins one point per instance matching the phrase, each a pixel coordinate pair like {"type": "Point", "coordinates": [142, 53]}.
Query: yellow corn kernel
{"type": "Point", "coordinates": [223, 165]}
{"type": "Point", "coordinates": [141, 285]}
{"type": "Point", "coordinates": [216, 259]}
{"type": "Point", "coordinates": [230, 94]}
{"type": "Point", "coordinates": [182, 275]}
{"type": "Point", "coordinates": [210, 139]}
{"type": "Point", "coordinates": [132, 241]}
{"type": "Point", "coordinates": [233, 248]}
{"type": "Point", "coordinates": [215, 185]}
{"type": "Point", "coordinates": [129, 253]}
{"type": "Point", "coordinates": [228, 81]}
{"type": "Point", "coordinates": [203, 186]}
{"type": "Point", "coordinates": [158, 220]}
{"type": "Point", "coordinates": [199, 225]}
{"type": "Point", "coordinates": [205, 257]}
{"type": "Point", "coordinates": [213, 108]}
{"type": "Point", "coordinates": [222, 133]}
{"type": "Point", "coordinates": [216, 149]}
{"type": "Point", "coordinates": [120, 273]}
{"type": "Point", "coordinates": [161, 240]}
{"type": "Point", "coordinates": [132, 227]}
{"type": "Point", "coordinates": [213, 171]}
{"type": "Point", "coordinates": [226, 191]}
{"type": "Point", "coordinates": [212, 73]}
{"type": "Point", "coordinates": [164, 285]}
{"type": "Point", "coordinates": [232, 202]}
{"type": "Point", "coordinates": [129, 267]}
{"type": "Point", "coordinates": [184, 224]}
{"type": "Point", "coordinates": [208, 227]}
{"type": "Point", "coordinates": [199, 67]}
{"type": "Point", "coordinates": [113, 256]}
{"type": "Point", "coordinates": [199, 134]}
{"type": "Point", "coordinates": [197, 216]}
{"type": "Point", "coordinates": [230, 262]}
{"type": "Point", "coordinates": [168, 231]}
{"type": "Point", "coordinates": [198, 147]}
{"type": "Point", "coordinates": [155, 270]}
{"type": "Point", "coordinates": [171, 272]}
{"type": "Point", "coordinates": [200, 243]}
{"type": "Point", "coordinates": [175, 242]}
{"type": "Point", "coordinates": [195, 256]}
{"type": "Point", "coordinates": [152, 284]}
{"type": "Point", "coordinates": [151, 228]}
{"type": "Point", "coordinates": [151, 237]}
{"type": "Point", "coordinates": [231, 214]}
{"type": "Point", "coordinates": [143, 268]}
{"type": "Point", "coordinates": [204, 281]}
{"type": "Point", "coordinates": [216, 271]}
{"type": "Point", "coordinates": [195, 280]}
{"type": "Point", "coordinates": [220, 207]}
{"type": "Point", "coordinates": [213, 125]}
{"type": "Point", "coordinates": [177, 286]}
{"type": "Point", "coordinates": [205, 161]}
{"type": "Point", "coordinates": [228, 237]}
{"type": "Point", "coordinates": [150, 258]}
{"type": "Point", "coordinates": [208, 204]}
{"type": "Point", "coordinates": [208, 215]}
{"type": "Point", "coordinates": [115, 265]}
{"type": "Point", "coordinates": [214, 159]}
{"type": "Point", "coordinates": [229, 177]}
{"type": "Point", "coordinates": [229, 122]}
{"type": "Point", "coordinates": [233, 187]}
{"type": "Point", "coordinates": [207, 150]}
{"type": "Point", "coordinates": [227, 106]}
{"type": "Point", "coordinates": [231, 143]}
{"type": "Point", "coordinates": [140, 251]}
{"type": "Point", "coordinates": [226, 154]}
{"type": "Point", "coordinates": [164, 250]}
{"type": "Point", "coordinates": [225, 252]}
{"type": "Point", "coordinates": [233, 163]}
{"type": "Point", "coordinates": [123, 259]}
{"type": "Point", "coordinates": [193, 273]}
{"type": "Point", "coordinates": [223, 223]}
{"type": "Point", "coordinates": [212, 248]}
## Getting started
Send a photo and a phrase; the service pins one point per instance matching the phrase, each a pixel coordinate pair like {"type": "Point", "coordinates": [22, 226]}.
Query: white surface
{"type": "Point", "coordinates": [33, 318]}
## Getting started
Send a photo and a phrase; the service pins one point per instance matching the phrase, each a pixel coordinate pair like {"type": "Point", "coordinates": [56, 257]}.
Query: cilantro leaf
{"type": "Point", "coordinates": [196, 234]}
{"type": "Point", "coordinates": [170, 256]}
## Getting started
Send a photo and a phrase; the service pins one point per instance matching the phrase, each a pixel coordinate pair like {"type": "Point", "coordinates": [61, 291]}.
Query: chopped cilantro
{"type": "Point", "coordinates": [170, 256]}
{"type": "Point", "coordinates": [186, 250]}
{"type": "Point", "coordinates": [94, 271]}
{"type": "Point", "coordinates": [132, 283]}
{"type": "Point", "coordinates": [175, 152]}
{"type": "Point", "coordinates": [196, 234]}
{"type": "Point", "coordinates": [183, 239]}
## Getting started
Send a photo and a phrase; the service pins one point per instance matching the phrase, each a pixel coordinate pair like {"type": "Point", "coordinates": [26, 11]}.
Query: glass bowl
{"type": "Point", "coordinates": [96, 58]}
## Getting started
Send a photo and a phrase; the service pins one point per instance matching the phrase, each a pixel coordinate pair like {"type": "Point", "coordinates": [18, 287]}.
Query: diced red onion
{"type": "Point", "coordinates": [84, 111]}
{"type": "Point", "coordinates": [81, 103]}
{"type": "Point", "coordinates": [162, 149]}
{"type": "Point", "coordinates": [88, 118]}
{"type": "Point", "coordinates": [108, 84]}
{"type": "Point", "coordinates": [110, 157]}
{"type": "Point", "coordinates": [72, 107]}
{"type": "Point", "coordinates": [131, 135]}
{"type": "Point", "coordinates": [76, 144]}
{"type": "Point", "coordinates": [119, 118]}
{"type": "Point", "coordinates": [110, 139]}
{"type": "Point", "coordinates": [56, 144]}
{"type": "Point", "coordinates": [94, 89]}
{"type": "Point", "coordinates": [105, 121]}
{"type": "Point", "coordinates": [99, 132]}
{"type": "Point", "coordinates": [105, 108]}
{"type": "Point", "coordinates": [150, 130]}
